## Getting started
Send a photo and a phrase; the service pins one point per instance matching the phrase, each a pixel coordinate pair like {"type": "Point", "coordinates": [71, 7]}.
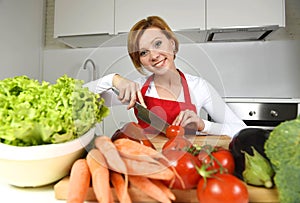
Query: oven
{"type": "Point", "coordinates": [264, 113]}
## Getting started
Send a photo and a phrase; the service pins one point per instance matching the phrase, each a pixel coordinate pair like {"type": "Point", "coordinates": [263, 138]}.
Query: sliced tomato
{"type": "Point", "coordinates": [225, 188]}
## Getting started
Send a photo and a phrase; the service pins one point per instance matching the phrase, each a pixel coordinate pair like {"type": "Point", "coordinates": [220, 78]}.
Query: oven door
{"type": "Point", "coordinates": [263, 114]}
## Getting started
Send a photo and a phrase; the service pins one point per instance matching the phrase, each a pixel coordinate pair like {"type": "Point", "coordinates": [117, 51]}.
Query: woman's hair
{"type": "Point", "coordinates": [137, 31]}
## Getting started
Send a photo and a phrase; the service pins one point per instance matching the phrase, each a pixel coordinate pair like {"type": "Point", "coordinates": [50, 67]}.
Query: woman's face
{"type": "Point", "coordinates": [156, 51]}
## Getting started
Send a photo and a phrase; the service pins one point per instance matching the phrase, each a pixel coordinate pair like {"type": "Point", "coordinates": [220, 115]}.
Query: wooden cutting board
{"type": "Point", "coordinates": [256, 194]}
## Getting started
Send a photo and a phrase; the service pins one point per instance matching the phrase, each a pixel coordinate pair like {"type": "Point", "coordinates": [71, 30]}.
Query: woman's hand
{"type": "Point", "coordinates": [189, 118]}
{"type": "Point", "coordinates": [129, 91]}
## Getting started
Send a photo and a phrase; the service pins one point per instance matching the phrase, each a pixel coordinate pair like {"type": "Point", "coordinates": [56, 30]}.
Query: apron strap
{"type": "Point", "coordinates": [186, 91]}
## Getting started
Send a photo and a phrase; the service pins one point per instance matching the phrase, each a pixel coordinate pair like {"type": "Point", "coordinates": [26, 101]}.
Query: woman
{"type": "Point", "coordinates": [175, 96]}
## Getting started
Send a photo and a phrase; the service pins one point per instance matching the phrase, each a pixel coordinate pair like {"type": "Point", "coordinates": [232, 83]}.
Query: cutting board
{"type": "Point", "coordinates": [256, 194]}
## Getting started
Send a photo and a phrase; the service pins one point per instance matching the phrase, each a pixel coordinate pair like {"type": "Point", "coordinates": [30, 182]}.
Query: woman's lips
{"type": "Point", "coordinates": [160, 63]}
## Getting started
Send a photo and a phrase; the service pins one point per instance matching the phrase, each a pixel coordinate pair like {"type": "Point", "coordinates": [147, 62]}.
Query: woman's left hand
{"type": "Point", "coordinates": [189, 117]}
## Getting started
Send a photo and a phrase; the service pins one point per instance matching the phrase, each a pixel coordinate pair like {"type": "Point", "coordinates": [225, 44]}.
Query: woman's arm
{"type": "Point", "coordinates": [226, 122]}
{"type": "Point", "coordinates": [129, 91]}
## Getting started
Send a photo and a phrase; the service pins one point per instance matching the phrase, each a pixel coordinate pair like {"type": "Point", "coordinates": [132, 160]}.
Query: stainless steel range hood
{"type": "Point", "coordinates": [234, 34]}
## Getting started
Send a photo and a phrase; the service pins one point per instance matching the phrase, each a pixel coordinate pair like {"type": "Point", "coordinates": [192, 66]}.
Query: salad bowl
{"type": "Point", "coordinates": [33, 166]}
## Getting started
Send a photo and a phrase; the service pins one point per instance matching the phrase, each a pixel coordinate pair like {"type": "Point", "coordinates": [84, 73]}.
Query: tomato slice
{"type": "Point", "coordinates": [225, 188]}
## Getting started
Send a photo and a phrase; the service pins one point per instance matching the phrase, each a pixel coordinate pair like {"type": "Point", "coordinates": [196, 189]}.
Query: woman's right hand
{"type": "Point", "coordinates": [129, 91]}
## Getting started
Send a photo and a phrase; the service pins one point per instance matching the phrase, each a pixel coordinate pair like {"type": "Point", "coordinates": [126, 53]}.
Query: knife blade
{"type": "Point", "coordinates": [148, 116]}
{"type": "Point", "coordinates": [154, 120]}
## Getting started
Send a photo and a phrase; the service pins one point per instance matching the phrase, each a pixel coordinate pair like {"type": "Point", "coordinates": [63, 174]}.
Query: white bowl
{"type": "Point", "coordinates": [34, 166]}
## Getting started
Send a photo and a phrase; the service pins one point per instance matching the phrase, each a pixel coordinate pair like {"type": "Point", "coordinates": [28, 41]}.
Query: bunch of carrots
{"type": "Point", "coordinates": [119, 164]}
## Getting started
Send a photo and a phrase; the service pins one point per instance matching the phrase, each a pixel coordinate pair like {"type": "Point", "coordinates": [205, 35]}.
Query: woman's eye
{"type": "Point", "coordinates": [143, 53]}
{"type": "Point", "coordinates": [157, 43]}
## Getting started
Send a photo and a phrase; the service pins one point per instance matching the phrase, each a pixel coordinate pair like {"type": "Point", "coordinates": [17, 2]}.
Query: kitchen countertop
{"type": "Point", "coordinates": [12, 194]}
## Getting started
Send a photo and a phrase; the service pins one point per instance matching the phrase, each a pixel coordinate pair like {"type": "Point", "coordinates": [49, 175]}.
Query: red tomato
{"type": "Point", "coordinates": [134, 132]}
{"type": "Point", "coordinates": [223, 157]}
{"type": "Point", "coordinates": [174, 130]}
{"type": "Point", "coordinates": [225, 188]}
{"type": "Point", "coordinates": [185, 165]}
{"type": "Point", "coordinates": [177, 143]}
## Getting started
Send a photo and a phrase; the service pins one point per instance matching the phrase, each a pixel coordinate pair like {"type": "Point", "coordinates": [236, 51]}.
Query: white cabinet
{"type": "Point", "coordinates": [242, 13]}
{"type": "Point", "coordinates": [180, 15]}
{"type": "Point", "coordinates": [83, 17]}
{"type": "Point", "coordinates": [88, 17]}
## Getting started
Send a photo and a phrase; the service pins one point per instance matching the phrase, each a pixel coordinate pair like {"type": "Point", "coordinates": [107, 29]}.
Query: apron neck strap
{"type": "Point", "coordinates": [186, 91]}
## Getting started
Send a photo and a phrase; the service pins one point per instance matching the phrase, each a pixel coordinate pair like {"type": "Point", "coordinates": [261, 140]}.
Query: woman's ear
{"type": "Point", "coordinates": [173, 44]}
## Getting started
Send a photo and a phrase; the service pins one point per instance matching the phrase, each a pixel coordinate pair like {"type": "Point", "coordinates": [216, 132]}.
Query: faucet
{"type": "Point", "coordinates": [93, 65]}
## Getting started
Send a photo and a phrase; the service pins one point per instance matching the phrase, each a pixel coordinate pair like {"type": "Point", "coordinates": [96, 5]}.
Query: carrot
{"type": "Point", "coordinates": [132, 148]}
{"type": "Point", "coordinates": [149, 188]}
{"type": "Point", "coordinates": [100, 176]}
{"type": "Point", "coordinates": [79, 182]}
{"type": "Point", "coordinates": [111, 154]}
{"type": "Point", "coordinates": [154, 170]}
{"type": "Point", "coordinates": [120, 187]}
{"type": "Point", "coordinates": [164, 188]}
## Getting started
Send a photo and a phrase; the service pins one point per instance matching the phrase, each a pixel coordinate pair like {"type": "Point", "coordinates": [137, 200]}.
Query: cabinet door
{"type": "Point", "coordinates": [232, 13]}
{"type": "Point", "coordinates": [78, 17]}
{"type": "Point", "coordinates": [179, 14]}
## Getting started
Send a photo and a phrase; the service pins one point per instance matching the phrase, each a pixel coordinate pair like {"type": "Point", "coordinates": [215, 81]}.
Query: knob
{"type": "Point", "coordinates": [274, 113]}
{"type": "Point", "coordinates": [252, 113]}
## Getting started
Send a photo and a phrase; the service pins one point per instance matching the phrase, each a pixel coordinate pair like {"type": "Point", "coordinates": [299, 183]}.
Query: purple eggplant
{"type": "Point", "coordinates": [243, 142]}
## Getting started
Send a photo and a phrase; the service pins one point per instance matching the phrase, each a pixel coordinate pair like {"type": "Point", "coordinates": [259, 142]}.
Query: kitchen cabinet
{"type": "Point", "coordinates": [75, 17]}
{"type": "Point", "coordinates": [88, 17]}
{"type": "Point", "coordinates": [90, 23]}
{"type": "Point", "coordinates": [180, 15]}
{"type": "Point", "coordinates": [245, 13]}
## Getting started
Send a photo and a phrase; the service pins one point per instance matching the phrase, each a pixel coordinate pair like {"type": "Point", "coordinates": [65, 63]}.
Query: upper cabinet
{"type": "Point", "coordinates": [245, 13]}
{"type": "Point", "coordinates": [180, 15]}
{"type": "Point", "coordinates": [83, 17]}
{"type": "Point", "coordinates": [90, 23]}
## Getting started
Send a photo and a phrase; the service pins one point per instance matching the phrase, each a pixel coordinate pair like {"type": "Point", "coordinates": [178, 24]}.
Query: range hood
{"type": "Point", "coordinates": [232, 34]}
{"type": "Point", "coordinates": [235, 34]}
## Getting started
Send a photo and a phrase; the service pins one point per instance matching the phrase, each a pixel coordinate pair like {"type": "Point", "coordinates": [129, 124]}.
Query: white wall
{"type": "Point", "coordinates": [243, 69]}
{"type": "Point", "coordinates": [249, 69]}
{"type": "Point", "coordinates": [21, 41]}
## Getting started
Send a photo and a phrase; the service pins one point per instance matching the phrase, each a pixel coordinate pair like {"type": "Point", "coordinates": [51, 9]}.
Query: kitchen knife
{"type": "Point", "coordinates": [148, 116]}
{"type": "Point", "coordinates": [154, 120]}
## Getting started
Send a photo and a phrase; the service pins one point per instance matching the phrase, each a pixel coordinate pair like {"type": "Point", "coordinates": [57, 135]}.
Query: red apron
{"type": "Point", "coordinates": [166, 109]}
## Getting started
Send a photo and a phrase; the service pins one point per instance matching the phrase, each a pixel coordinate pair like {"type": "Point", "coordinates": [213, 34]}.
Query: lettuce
{"type": "Point", "coordinates": [34, 113]}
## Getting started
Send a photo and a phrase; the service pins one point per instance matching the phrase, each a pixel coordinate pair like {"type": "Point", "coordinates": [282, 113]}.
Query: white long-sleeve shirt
{"type": "Point", "coordinates": [202, 94]}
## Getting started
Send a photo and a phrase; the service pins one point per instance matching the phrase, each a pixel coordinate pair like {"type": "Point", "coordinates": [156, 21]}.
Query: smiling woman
{"type": "Point", "coordinates": [152, 47]}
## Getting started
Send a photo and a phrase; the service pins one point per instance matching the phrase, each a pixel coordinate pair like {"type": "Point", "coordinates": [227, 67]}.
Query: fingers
{"type": "Point", "coordinates": [129, 91]}
{"type": "Point", "coordinates": [187, 118]}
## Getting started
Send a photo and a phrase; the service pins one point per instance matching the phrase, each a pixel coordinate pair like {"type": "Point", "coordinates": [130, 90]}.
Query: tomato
{"type": "Point", "coordinates": [222, 156]}
{"type": "Point", "coordinates": [174, 130]}
{"type": "Point", "coordinates": [225, 188]}
{"type": "Point", "coordinates": [134, 132]}
{"type": "Point", "coordinates": [185, 165]}
{"type": "Point", "coordinates": [177, 143]}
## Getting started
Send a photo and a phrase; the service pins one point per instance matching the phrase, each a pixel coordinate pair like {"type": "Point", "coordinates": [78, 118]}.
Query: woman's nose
{"type": "Point", "coordinates": [154, 55]}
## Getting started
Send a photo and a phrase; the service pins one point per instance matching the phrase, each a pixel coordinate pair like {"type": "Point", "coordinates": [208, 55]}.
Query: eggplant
{"type": "Point", "coordinates": [242, 143]}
